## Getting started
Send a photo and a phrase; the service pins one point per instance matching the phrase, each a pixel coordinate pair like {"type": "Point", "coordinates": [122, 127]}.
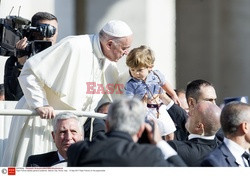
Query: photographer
{"type": "Point", "coordinates": [13, 65]}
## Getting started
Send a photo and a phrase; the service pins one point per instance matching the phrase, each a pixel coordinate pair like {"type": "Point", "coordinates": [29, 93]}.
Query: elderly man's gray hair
{"type": "Point", "coordinates": [65, 116]}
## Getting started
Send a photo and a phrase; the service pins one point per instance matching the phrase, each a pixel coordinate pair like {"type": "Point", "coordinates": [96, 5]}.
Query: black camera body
{"type": "Point", "coordinates": [14, 28]}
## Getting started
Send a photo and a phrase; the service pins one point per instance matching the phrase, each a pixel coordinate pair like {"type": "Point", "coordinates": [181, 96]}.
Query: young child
{"type": "Point", "coordinates": [147, 84]}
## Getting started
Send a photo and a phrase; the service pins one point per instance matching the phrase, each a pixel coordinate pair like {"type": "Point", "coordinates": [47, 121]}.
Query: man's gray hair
{"type": "Point", "coordinates": [127, 115]}
{"type": "Point", "coordinates": [65, 116]}
{"type": "Point", "coordinates": [232, 115]}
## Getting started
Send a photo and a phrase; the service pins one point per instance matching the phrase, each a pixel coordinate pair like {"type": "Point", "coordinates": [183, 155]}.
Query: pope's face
{"type": "Point", "coordinates": [117, 49]}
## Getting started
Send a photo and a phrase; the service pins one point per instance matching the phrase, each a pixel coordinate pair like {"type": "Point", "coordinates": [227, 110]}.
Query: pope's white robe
{"type": "Point", "coordinates": [58, 76]}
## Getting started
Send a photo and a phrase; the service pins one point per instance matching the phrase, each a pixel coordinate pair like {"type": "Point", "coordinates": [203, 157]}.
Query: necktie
{"type": "Point", "coordinates": [247, 157]}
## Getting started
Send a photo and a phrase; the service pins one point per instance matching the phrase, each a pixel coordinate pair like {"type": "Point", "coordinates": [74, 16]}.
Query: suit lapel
{"type": "Point", "coordinates": [229, 156]}
{"type": "Point", "coordinates": [54, 158]}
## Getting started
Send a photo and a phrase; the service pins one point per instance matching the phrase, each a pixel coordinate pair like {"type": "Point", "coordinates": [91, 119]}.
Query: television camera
{"type": "Point", "coordinates": [14, 28]}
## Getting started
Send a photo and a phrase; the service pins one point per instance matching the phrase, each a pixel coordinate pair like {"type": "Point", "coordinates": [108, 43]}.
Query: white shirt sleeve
{"type": "Point", "coordinates": [166, 149]}
{"type": "Point", "coordinates": [170, 105]}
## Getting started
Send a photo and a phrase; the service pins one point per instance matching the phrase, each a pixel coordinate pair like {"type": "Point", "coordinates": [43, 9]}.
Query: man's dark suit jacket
{"type": "Point", "coordinates": [43, 160]}
{"type": "Point", "coordinates": [98, 127]}
{"type": "Point", "coordinates": [220, 157]}
{"type": "Point", "coordinates": [179, 116]}
{"type": "Point", "coordinates": [117, 149]}
{"type": "Point", "coordinates": [194, 150]}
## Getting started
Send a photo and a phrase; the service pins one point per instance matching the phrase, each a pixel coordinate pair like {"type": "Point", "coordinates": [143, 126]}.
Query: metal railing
{"type": "Point", "coordinates": [26, 112]}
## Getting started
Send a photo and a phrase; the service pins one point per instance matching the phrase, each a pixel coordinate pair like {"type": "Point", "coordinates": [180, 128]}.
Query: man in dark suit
{"type": "Point", "coordinates": [196, 91]}
{"type": "Point", "coordinates": [119, 147]}
{"type": "Point", "coordinates": [94, 126]}
{"type": "Point", "coordinates": [203, 122]}
{"type": "Point", "coordinates": [66, 131]}
{"type": "Point", "coordinates": [235, 123]}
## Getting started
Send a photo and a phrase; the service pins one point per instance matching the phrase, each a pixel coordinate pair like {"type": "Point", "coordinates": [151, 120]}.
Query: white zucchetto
{"type": "Point", "coordinates": [117, 28]}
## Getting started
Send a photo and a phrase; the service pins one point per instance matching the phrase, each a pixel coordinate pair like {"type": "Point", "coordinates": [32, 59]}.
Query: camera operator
{"type": "Point", "coordinates": [13, 65]}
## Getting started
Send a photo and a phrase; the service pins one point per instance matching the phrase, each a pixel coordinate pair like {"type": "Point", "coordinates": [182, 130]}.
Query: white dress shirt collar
{"type": "Point", "coordinates": [60, 156]}
{"type": "Point", "coordinates": [236, 151]}
{"type": "Point", "coordinates": [191, 136]}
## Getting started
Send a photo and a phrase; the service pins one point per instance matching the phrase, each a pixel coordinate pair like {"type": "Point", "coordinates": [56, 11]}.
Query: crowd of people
{"type": "Point", "coordinates": [147, 123]}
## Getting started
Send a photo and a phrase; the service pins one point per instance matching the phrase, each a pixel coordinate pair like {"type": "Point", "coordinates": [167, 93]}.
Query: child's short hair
{"type": "Point", "coordinates": [140, 57]}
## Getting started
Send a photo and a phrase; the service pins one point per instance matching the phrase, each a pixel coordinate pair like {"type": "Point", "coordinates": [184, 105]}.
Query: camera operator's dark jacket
{"type": "Point", "coordinates": [13, 91]}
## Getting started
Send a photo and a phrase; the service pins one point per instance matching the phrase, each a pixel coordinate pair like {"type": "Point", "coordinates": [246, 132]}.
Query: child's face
{"type": "Point", "coordinates": [140, 73]}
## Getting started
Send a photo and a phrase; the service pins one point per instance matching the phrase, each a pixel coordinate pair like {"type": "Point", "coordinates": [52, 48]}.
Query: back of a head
{"type": "Point", "coordinates": [41, 16]}
{"type": "Point", "coordinates": [142, 56]}
{"type": "Point", "coordinates": [126, 115]}
{"type": "Point", "coordinates": [180, 91]}
{"type": "Point", "coordinates": [193, 88]}
{"type": "Point", "coordinates": [210, 117]}
{"type": "Point", "coordinates": [233, 114]}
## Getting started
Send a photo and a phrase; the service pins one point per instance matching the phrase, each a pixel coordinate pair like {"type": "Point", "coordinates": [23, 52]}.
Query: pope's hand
{"type": "Point", "coordinates": [46, 112]}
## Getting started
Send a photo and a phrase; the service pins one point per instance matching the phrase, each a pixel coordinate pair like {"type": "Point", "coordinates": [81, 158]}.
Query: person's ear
{"type": "Point", "coordinates": [53, 135]}
{"type": "Point", "coordinates": [109, 44]}
{"type": "Point", "coordinates": [191, 102]}
{"type": "Point", "coordinates": [200, 129]}
{"type": "Point", "coordinates": [107, 125]}
{"type": "Point", "coordinates": [245, 127]}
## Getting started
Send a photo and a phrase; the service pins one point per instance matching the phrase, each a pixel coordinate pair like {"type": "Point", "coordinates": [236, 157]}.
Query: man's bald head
{"type": "Point", "coordinates": [204, 119]}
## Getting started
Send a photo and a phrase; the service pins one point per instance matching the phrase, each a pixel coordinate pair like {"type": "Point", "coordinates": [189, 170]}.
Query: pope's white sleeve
{"type": "Point", "coordinates": [32, 89]}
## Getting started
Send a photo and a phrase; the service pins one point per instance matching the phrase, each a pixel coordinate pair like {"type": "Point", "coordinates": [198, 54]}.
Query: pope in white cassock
{"type": "Point", "coordinates": [68, 75]}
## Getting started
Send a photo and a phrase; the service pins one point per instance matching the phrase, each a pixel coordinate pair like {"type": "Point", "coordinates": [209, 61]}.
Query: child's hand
{"type": "Point", "coordinates": [176, 100]}
{"type": "Point", "coordinates": [165, 98]}
{"type": "Point", "coordinates": [145, 99]}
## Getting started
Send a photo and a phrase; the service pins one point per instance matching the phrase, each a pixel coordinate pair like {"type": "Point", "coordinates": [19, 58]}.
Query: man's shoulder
{"type": "Point", "coordinates": [215, 158]}
{"type": "Point", "coordinates": [178, 143]}
{"type": "Point", "coordinates": [45, 159]}
{"type": "Point", "coordinates": [193, 143]}
{"type": "Point", "coordinates": [185, 146]}
{"type": "Point", "coordinates": [74, 38]}
{"type": "Point", "coordinates": [80, 145]}
{"type": "Point", "coordinates": [43, 155]}
{"type": "Point", "coordinates": [220, 152]}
